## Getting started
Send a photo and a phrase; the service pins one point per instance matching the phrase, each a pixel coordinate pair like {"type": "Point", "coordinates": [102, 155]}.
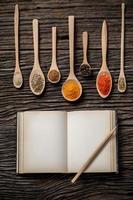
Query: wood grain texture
{"type": "Point", "coordinates": [89, 16]}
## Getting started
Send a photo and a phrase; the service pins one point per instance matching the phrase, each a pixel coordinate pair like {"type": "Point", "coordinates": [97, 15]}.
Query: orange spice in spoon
{"type": "Point", "coordinates": [71, 89]}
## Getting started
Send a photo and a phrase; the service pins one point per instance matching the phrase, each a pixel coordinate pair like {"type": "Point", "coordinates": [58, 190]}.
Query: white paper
{"type": "Point", "coordinates": [86, 129]}
{"type": "Point", "coordinates": [45, 141]}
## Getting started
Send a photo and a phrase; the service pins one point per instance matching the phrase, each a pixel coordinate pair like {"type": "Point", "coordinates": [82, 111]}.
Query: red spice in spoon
{"type": "Point", "coordinates": [104, 83]}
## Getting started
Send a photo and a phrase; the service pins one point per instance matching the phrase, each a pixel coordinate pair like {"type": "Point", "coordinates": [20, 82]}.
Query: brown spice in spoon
{"type": "Point", "coordinates": [53, 75]}
{"type": "Point", "coordinates": [71, 89]}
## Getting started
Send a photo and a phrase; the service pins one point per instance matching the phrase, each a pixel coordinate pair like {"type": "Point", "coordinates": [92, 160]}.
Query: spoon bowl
{"type": "Point", "coordinates": [85, 69]}
{"type": "Point", "coordinates": [56, 73]}
{"type": "Point", "coordinates": [122, 83]}
{"type": "Point", "coordinates": [37, 82]}
{"type": "Point", "coordinates": [74, 79]}
{"type": "Point", "coordinates": [17, 79]}
{"type": "Point", "coordinates": [105, 84]}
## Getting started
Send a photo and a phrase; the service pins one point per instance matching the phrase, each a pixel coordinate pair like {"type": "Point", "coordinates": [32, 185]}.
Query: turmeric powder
{"type": "Point", "coordinates": [71, 90]}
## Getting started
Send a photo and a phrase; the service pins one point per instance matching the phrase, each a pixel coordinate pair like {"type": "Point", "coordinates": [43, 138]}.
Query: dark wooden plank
{"type": "Point", "coordinates": [60, 9]}
{"type": "Point", "coordinates": [88, 23]}
{"type": "Point", "coordinates": [93, 27]}
{"type": "Point", "coordinates": [89, 16]}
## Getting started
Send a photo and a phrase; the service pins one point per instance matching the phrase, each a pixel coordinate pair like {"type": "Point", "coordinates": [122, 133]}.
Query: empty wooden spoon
{"type": "Point", "coordinates": [54, 73]}
{"type": "Point", "coordinates": [85, 68]}
{"type": "Point", "coordinates": [122, 78]}
{"type": "Point", "coordinates": [17, 77]}
{"type": "Point", "coordinates": [104, 79]}
{"type": "Point", "coordinates": [37, 79]}
{"type": "Point", "coordinates": [71, 89]}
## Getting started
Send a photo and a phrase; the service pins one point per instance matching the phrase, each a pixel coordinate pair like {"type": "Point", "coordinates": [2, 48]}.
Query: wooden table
{"type": "Point", "coordinates": [89, 17]}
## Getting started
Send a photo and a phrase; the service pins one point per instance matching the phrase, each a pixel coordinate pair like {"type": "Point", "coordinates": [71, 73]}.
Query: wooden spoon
{"type": "Point", "coordinates": [85, 68]}
{"type": "Point", "coordinates": [122, 78]}
{"type": "Point", "coordinates": [71, 53]}
{"type": "Point", "coordinates": [17, 77]}
{"type": "Point", "coordinates": [37, 79]}
{"type": "Point", "coordinates": [104, 69]}
{"type": "Point", "coordinates": [54, 68]}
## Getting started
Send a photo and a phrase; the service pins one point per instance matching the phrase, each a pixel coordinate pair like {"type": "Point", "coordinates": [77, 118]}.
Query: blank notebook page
{"type": "Point", "coordinates": [86, 129]}
{"type": "Point", "coordinates": [45, 142]}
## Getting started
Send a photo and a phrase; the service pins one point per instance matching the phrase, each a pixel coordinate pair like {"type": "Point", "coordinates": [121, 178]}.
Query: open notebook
{"type": "Point", "coordinates": [61, 142]}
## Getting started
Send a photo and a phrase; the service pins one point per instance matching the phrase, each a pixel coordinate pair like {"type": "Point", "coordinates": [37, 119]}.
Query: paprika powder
{"type": "Point", "coordinates": [104, 83]}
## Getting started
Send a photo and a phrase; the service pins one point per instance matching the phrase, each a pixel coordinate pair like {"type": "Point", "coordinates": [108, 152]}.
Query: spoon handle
{"type": "Point", "coordinates": [71, 43]}
{"type": "Point", "coordinates": [104, 44]}
{"type": "Point", "coordinates": [85, 44]}
{"type": "Point", "coordinates": [16, 31]}
{"type": "Point", "coordinates": [35, 37]}
{"type": "Point", "coordinates": [54, 46]}
{"type": "Point", "coordinates": [122, 39]}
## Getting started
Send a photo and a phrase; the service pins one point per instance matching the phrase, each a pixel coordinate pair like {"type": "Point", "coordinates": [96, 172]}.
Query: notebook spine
{"type": "Point", "coordinates": [19, 163]}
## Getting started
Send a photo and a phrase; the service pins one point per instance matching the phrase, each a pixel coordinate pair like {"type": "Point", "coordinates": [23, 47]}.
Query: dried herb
{"type": "Point", "coordinates": [54, 75]}
{"type": "Point", "coordinates": [122, 85]}
{"type": "Point", "coordinates": [85, 70]}
{"type": "Point", "coordinates": [37, 83]}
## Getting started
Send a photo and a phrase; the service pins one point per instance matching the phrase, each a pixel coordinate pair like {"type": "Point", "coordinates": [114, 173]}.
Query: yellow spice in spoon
{"type": "Point", "coordinates": [71, 89]}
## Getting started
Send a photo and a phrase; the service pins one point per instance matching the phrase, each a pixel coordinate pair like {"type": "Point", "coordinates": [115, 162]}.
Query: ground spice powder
{"type": "Point", "coordinates": [71, 89]}
{"type": "Point", "coordinates": [104, 83]}
{"type": "Point", "coordinates": [54, 75]}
